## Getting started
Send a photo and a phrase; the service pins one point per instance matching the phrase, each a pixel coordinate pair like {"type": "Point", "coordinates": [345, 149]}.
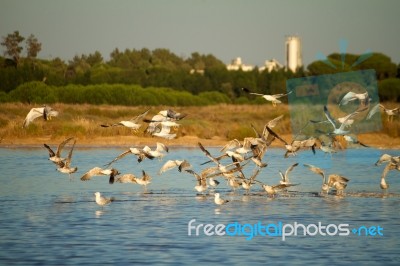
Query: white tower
{"type": "Point", "coordinates": [293, 53]}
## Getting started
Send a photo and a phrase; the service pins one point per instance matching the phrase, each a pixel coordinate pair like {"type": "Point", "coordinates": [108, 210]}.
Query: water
{"type": "Point", "coordinates": [47, 219]}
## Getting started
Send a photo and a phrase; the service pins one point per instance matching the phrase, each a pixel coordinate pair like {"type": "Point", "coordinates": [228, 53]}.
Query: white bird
{"type": "Point", "coordinates": [141, 155]}
{"type": "Point", "coordinates": [391, 113]}
{"type": "Point", "coordinates": [172, 115]}
{"type": "Point", "coordinates": [165, 131]}
{"type": "Point", "coordinates": [157, 152]}
{"type": "Point", "coordinates": [334, 181]}
{"type": "Point", "coordinates": [285, 177]}
{"type": "Point", "coordinates": [100, 200]}
{"type": "Point", "coordinates": [170, 164]}
{"type": "Point", "coordinates": [144, 181]}
{"type": "Point", "coordinates": [338, 130]}
{"type": "Point", "coordinates": [55, 157]}
{"type": "Point", "coordinates": [218, 200]}
{"type": "Point", "coordinates": [201, 181]}
{"type": "Point", "coordinates": [132, 123]}
{"type": "Point", "coordinates": [46, 112]}
{"type": "Point", "coordinates": [97, 171]}
{"type": "Point", "coordinates": [273, 190]}
{"type": "Point", "coordinates": [131, 178]}
{"type": "Point", "coordinates": [393, 162]}
{"type": "Point", "coordinates": [66, 167]}
{"type": "Point", "coordinates": [272, 98]}
{"type": "Point", "coordinates": [352, 96]}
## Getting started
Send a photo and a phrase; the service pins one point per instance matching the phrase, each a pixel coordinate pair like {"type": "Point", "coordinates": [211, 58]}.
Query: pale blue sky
{"type": "Point", "coordinates": [255, 30]}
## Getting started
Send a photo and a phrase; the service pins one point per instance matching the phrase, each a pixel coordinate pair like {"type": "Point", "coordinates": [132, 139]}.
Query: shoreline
{"type": "Point", "coordinates": [375, 141]}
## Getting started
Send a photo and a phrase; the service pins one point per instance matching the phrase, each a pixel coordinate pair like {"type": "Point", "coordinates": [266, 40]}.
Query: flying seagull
{"type": "Point", "coordinates": [46, 112]}
{"type": "Point", "coordinates": [269, 97]}
{"type": "Point", "coordinates": [55, 157]}
{"type": "Point", "coordinates": [132, 123]}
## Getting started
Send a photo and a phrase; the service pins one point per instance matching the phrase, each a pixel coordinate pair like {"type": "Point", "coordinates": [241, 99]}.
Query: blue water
{"type": "Point", "coordinates": [47, 219]}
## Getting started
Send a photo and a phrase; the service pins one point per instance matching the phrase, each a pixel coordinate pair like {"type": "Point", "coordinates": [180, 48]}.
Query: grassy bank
{"type": "Point", "coordinates": [213, 125]}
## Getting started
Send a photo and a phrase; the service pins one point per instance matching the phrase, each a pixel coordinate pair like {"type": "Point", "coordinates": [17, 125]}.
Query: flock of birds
{"type": "Point", "coordinates": [240, 154]}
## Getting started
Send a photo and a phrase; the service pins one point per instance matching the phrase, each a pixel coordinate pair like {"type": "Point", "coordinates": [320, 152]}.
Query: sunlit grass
{"type": "Point", "coordinates": [223, 122]}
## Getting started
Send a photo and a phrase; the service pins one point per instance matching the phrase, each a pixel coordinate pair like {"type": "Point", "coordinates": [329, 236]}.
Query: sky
{"type": "Point", "coordinates": [254, 30]}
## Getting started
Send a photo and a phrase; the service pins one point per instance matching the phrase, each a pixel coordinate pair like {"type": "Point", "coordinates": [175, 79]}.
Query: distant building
{"type": "Point", "coordinates": [293, 53]}
{"type": "Point", "coordinates": [237, 64]}
{"type": "Point", "coordinates": [270, 65]}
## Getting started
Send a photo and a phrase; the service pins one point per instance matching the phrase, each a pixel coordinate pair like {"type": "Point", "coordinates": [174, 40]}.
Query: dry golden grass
{"type": "Point", "coordinates": [211, 125]}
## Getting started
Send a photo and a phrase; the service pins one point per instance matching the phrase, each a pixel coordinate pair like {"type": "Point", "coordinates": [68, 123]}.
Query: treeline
{"type": "Point", "coordinates": [114, 94]}
{"type": "Point", "coordinates": [197, 80]}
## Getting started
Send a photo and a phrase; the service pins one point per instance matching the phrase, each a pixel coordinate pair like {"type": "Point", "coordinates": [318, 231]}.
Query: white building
{"type": "Point", "coordinates": [270, 65]}
{"type": "Point", "coordinates": [237, 64]}
{"type": "Point", "coordinates": [293, 53]}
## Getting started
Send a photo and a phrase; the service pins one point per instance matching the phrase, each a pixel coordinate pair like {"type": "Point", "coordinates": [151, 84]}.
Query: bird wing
{"type": "Point", "coordinates": [145, 177]}
{"type": "Point", "coordinates": [122, 155]}
{"type": "Point", "coordinates": [32, 115]}
{"type": "Point", "coordinates": [51, 152]}
{"type": "Point", "coordinates": [61, 146]}
{"type": "Point", "coordinates": [168, 165]}
{"type": "Point", "coordinates": [140, 117]}
{"type": "Point", "coordinates": [246, 90]}
{"type": "Point", "coordinates": [231, 145]}
{"type": "Point", "coordinates": [276, 135]}
{"type": "Point", "coordinates": [126, 178]}
{"type": "Point", "coordinates": [184, 165]}
{"type": "Point", "coordinates": [333, 178]}
{"type": "Point", "coordinates": [161, 147]}
{"type": "Point", "coordinates": [329, 117]}
{"type": "Point", "coordinates": [374, 110]}
{"type": "Point", "coordinates": [347, 98]}
{"type": "Point", "coordinates": [92, 172]}
{"type": "Point", "coordinates": [272, 123]}
{"type": "Point", "coordinates": [290, 168]}
{"type": "Point", "coordinates": [208, 154]}
{"type": "Point", "coordinates": [68, 160]}
{"type": "Point", "coordinates": [315, 169]}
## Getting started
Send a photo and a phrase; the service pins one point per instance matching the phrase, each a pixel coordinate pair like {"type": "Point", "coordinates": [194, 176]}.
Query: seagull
{"type": "Point", "coordinates": [100, 200]}
{"type": "Point", "coordinates": [55, 157]}
{"type": "Point", "coordinates": [201, 181]}
{"type": "Point", "coordinates": [141, 155]}
{"type": "Point", "coordinates": [165, 131]}
{"type": "Point", "coordinates": [46, 112]}
{"type": "Point", "coordinates": [157, 152]}
{"type": "Point", "coordinates": [172, 115]}
{"type": "Point", "coordinates": [248, 183]}
{"type": "Point", "coordinates": [390, 112]}
{"type": "Point", "coordinates": [393, 162]}
{"type": "Point", "coordinates": [132, 123]}
{"type": "Point", "coordinates": [296, 145]}
{"type": "Point", "coordinates": [273, 190]}
{"type": "Point", "coordinates": [340, 130]}
{"type": "Point", "coordinates": [218, 200]}
{"type": "Point", "coordinates": [130, 178]}
{"type": "Point", "coordinates": [144, 181]}
{"type": "Point", "coordinates": [212, 182]}
{"type": "Point", "coordinates": [387, 158]}
{"type": "Point", "coordinates": [272, 98]}
{"type": "Point", "coordinates": [351, 96]}
{"type": "Point", "coordinates": [336, 181]}
{"type": "Point", "coordinates": [285, 177]}
{"type": "Point", "coordinates": [181, 164]}
{"type": "Point", "coordinates": [97, 171]}
{"type": "Point", "coordinates": [65, 168]}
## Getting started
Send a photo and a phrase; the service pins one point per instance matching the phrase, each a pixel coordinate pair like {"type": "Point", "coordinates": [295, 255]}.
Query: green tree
{"type": "Point", "coordinates": [12, 43]}
{"type": "Point", "coordinates": [33, 46]}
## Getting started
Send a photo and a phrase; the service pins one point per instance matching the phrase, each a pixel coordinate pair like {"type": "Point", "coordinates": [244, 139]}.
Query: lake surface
{"type": "Point", "coordinates": [47, 219]}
